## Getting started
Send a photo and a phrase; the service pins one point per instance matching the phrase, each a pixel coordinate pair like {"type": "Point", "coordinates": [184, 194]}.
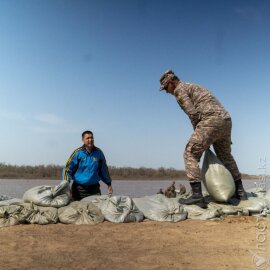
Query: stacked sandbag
{"type": "Point", "coordinates": [255, 205]}
{"type": "Point", "coordinates": [80, 213]}
{"type": "Point", "coordinates": [256, 192]}
{"type": "Point", "coordinates": [41, 215]}
{"type": "Point", "coordinates": [228, 209]}
{"type": "Point", "coordinates": [267, 199]}
{"type": "Point", "coordinates": [7, 200]}
{"type": "Point", "coordinates": [196, 212]}
{"type": "Point", "coordinates": [117, 209]}
{"type": "Point", "coordinates": [160, 208]}
{"type": "Point", "coordinates": [13, 215]}
{"type": "Point", "coordinates": [217, 180]}
{"type": "Point", "coordinates": [224, 208]}
{"type": "Point", "coordinates": [5, 197]}
{"type": "Point", "coordinates": [49, 196]}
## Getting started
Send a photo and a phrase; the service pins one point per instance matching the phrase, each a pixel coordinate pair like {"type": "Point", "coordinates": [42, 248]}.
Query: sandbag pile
{"type": "Point", "coordinates": [52, 204]}
{"type": "Point", "coordinates": [53, 196]}
{"type": "Point", "coordinates": [11, 215]}
{"type": "Point", "coordinates": [26, 213]}
{"type": "Point", "coordinates": [116, 209]}
{"type": "Point", "coordinates": [10, 201]}
{"type": "Point", "coordinates": [267, 199]}
{"type": "Point", "coordinates": [41, 215]}
{"type": "Point", "coordinates": [257, 202]}
{"type": "Point", "coordinates": [196, 212]}
{"type": "Point", "coordinates": [160, 208]}
{"type": "Point", "coordinates": [80, 213]}
{"type": "Point", "coordinates": [228, 209]}
{"type": "Point", "coordinates": [255, 205]}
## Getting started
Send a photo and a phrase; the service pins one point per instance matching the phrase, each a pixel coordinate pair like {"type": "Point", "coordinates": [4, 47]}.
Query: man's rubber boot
{"type": "Point", "coordinates": [240, 193]}
{"type": "Point", "coordinates": [196, 198]}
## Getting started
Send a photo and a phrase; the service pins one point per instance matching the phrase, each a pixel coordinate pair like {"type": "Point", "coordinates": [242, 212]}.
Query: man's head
{"type": "Point", "coordinates": [168, 81]}
{"type": "Point", "coordinates": [88, 139]}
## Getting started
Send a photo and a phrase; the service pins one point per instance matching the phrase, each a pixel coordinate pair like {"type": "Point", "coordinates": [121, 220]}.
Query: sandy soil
{"type": "Point", "coordinates": [148, 245]}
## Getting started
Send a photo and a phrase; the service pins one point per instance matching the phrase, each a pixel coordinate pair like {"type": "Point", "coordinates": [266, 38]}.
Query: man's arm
{"type": "Point", "coordinates": [186, 104]}
{"type": "Point", "coordinates": [104, 173]}
{"type": "Point", "coordinates": [71, 166]}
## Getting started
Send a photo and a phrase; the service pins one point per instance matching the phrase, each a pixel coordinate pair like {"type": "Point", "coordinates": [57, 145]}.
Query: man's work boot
{"type": "Point", "coordinates": [196, 198]}
{"type": "Point", "coordinates": [240, 193]}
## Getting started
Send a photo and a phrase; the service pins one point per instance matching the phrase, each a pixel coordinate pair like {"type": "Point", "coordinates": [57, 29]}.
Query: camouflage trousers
{"type": "Point", "coordinates": [216, 132]}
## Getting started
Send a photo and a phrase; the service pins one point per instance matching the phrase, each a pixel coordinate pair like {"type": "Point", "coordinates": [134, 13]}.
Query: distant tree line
{"type": "Point", "coordinates": [55, 172]}
{"type": "Point", "coordinates": [121, 173]}
{"type": "Point", "coordinates": [30, 172]}
{"type": "Point", "coordinates": [146, 173]}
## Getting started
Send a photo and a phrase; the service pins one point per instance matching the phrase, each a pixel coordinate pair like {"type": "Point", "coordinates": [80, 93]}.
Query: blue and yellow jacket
{"type": "Point", "coordinates": [87, 168]}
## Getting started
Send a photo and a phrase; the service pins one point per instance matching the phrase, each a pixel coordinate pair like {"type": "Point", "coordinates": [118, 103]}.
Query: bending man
{"type": "Point", "coordinates": [212, 125]}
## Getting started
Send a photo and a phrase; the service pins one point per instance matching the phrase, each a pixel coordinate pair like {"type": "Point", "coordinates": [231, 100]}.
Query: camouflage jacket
{"type": "Point", "coordinates": [198, 103]}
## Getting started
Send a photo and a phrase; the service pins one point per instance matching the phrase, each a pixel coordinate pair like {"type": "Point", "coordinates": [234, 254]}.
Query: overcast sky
{"type": "Point", "coordinates": [67, 66]}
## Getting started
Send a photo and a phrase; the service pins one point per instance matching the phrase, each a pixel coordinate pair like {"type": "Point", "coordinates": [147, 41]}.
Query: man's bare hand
{"type": "Point", "coordinates": [110, 190]}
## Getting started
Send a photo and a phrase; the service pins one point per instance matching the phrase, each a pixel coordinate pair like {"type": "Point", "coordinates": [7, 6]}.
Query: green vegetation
{"type": "Point", "coordinates": [128, 173]}
{"type": "Point", "coordinates": [30, 172]}
{"type": "Point", "coordinates": [124, 173]}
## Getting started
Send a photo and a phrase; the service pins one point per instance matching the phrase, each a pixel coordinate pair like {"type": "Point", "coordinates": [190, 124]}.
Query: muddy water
{"type": "Point", "coordinates": [133, 188]}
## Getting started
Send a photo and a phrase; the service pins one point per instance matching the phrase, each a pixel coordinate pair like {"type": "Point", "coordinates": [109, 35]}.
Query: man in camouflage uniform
{"type": "Point", "coordinates": [212, 125]}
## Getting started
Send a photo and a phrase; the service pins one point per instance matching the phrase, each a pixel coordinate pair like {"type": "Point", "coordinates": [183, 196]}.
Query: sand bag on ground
{"type": "Point", "coordinates": [41, 215]}
{"type": "Point", "coordinates": [160, 208]}
{"type": "Point", "coordinates": [116, 209]}
{"type": "Point", "coordinates": [217, 179]}
{"type": "Point", "coordinates": [262, 197]}
{"type": "Point", "coordinates": [13, 215]}
{"type": "Point", "coordinates": [80, 213]}
{"type": "Point", "coordinates": [256, 192]}
{"type": "Point", "coordinates": [254, 205]}
{"type": "Point", "coordinates": [267, 199]}
{"type": "Point", "coordinates": [54, 196]}
{"type": "Point", "coordinates": [227, 209]}
{"type": "Point", "coordinates": [196, 212]}
{"type": "Point", "coordinates": [6, 200]}
{"type": "Point", "coordinates": [5, 197]}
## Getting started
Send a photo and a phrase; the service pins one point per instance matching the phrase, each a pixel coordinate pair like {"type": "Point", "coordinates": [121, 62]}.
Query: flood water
{"type": "Point", "coordinates": [133, 188]}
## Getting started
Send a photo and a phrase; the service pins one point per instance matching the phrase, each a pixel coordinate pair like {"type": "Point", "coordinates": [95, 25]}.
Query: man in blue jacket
{"type": "Point", "coordinates": [86, 167]}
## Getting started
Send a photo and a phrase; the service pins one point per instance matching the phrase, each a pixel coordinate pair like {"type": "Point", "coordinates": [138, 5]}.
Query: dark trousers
{"type": "Point", "coordinates": [80, 191]}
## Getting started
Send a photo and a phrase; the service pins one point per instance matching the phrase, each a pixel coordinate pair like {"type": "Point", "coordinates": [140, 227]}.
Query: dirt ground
{"type": "Point", "coordinates": [189, 244]}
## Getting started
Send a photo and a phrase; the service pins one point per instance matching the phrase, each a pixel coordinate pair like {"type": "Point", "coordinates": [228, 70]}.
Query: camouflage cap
{"type": "Point", "coordinates": [168, 75]}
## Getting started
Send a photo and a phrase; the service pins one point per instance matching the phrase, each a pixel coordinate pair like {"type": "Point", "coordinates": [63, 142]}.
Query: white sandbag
{"type": "Point", "coordinates": [80, 213]}
{"type": "Point", "coordinates": [13, 215]}
{"type": "Point", "coordinates": [41, 215]}
{"type": "Point", "coordinates": [254, 205]}
{"type": "Point", "coordinates": [116, 209]}
{"type": "Point", "coordinates": [263, 199]}
{"type": "Point", "coordinates": [217, 180]}
{"type": "Point", "coordinates": [226, 209]}
{"type": "Point", "coordinates": [5, 197]}
{"type": "Point", "coordinates": [267, 199]}
{"type": "Point", "coordinates": [160, 208]}
{"type": "Point", "coordinates": [257, 201]}
{"type": "Point", "coordinates": [196, 212]}
{"type": "Point", "coordinates": [256, 192]}
{"type": "Point", "coordinates": [91, 198]}
{"type": "Point", "coordinates": [54, 196]}
{"type": "Point", "coordinates": [10, 201]}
